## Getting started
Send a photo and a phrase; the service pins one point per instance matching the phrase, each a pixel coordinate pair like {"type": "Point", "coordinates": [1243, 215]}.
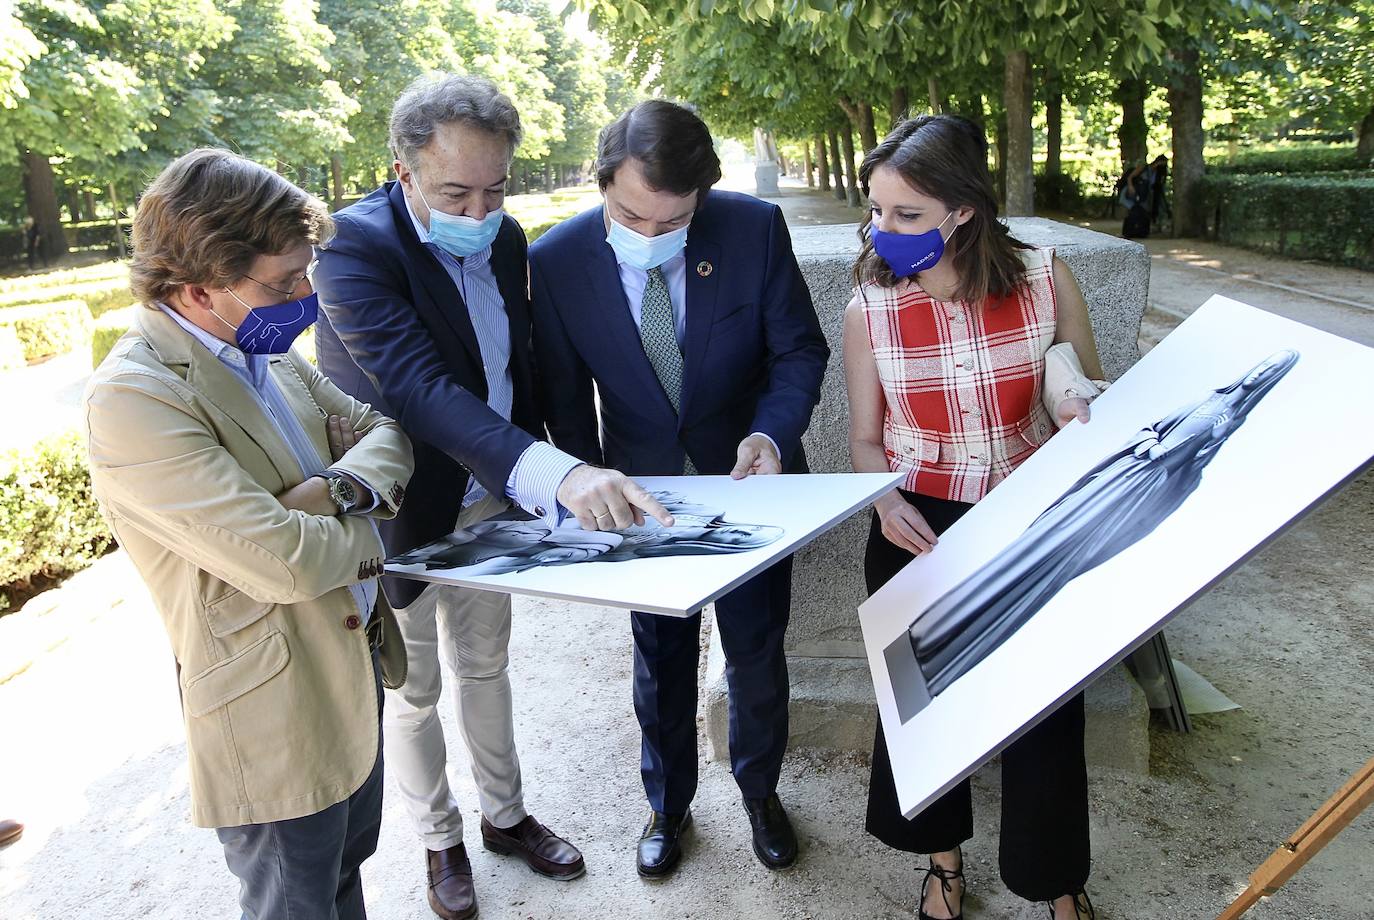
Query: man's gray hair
{"type": "Point", "coordinates": [446, 98]}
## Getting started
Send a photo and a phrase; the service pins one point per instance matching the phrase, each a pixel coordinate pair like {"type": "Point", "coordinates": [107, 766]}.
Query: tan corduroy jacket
{"type": "Point", "coordinates": [277, 686]}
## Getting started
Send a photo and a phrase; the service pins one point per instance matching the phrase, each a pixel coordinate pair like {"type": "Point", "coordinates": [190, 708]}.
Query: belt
{"type": "Point", "coordinates": [374, 631]}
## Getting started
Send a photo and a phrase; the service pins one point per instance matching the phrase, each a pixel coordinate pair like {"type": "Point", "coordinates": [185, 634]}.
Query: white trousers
{"type": "Point", "coordinates": [471, 630]}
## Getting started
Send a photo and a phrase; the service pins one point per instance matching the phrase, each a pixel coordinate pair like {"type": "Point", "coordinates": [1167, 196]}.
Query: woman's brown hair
{"type": "Point", "coordinates": [208, 215]}
{"type": "Point", "coordinates": [946, 157]}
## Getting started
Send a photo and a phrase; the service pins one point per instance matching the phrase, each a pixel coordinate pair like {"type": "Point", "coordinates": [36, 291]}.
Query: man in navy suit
{"type": "Point", "coordinates": [426, 317]}
{"type": "Point", "coordinates": [687, 311]}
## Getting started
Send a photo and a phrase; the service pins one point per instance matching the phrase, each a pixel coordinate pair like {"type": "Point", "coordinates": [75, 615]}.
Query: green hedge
{"type": "Point", "coordinates": [1304, 217]}
{"type": "Point", "coordinates": [99, 296]}
{"type": "Point", "coordinates": [1290, 160]}
{"type": "Point", "coordinates": [11, 352]}
{"type": "Point", "coordinates": [108, 330]}
{"type": "Point", "coordinates": [45, 329]}
{"type": "Point", "coordinates": [62, 277]}
{"type": "Point", "coordinates": [49, 522]}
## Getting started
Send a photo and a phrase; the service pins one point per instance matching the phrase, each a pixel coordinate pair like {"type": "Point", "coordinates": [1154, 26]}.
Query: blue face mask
{"type": "Point", "coordinates": [459, 235]}
{"type": "Point", "coordinates": [270, 330]}
{"type": "Point", "coordinates": [909, 253]}
{"type": "Point", "coordinates": [645, 252]}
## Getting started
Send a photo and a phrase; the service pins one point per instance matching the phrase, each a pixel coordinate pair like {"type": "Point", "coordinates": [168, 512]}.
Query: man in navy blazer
{"type": "Point", "coordinates": [686, 310]}
{"type": "Point", "coordinates": [426, 317]}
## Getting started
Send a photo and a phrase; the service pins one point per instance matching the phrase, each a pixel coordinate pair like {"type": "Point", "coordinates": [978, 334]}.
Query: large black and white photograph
{"type": "Point", "coordinates": [1169, 486]}
{"type": "Point", "coordinates": [723, 531]}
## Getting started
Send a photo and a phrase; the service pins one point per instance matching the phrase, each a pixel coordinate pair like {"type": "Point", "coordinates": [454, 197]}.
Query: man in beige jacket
{"type": "Point", "coordinates": [241, 482]}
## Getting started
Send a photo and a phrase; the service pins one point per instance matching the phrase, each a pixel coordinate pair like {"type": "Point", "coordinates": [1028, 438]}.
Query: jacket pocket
{"type": "Point", "coordinates": [226, 681]}
{"type": "Point", "coordinates": [233, 611]}
{"type": "Point", "coordinates": [1036, 428]}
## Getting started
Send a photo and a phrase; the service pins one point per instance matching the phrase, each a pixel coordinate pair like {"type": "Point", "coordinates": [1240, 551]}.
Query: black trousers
{"type": "Point", "coordinates": [752, 620]}
{"type": "Point", "coordinates": [1044, 851]}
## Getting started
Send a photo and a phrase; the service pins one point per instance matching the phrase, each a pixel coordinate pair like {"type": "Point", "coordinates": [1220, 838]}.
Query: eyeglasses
{"type": "Point", "coordinates": [309, 270]}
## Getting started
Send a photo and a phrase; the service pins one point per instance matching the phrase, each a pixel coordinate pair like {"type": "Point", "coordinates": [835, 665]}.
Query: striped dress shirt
{"type": "Point", "coordinates": [540, 470]}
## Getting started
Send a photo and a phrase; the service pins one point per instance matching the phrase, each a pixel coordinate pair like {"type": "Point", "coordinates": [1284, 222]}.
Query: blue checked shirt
{"type": "Point", "coordinates": [540, 470]}
{"type": "Point", "coordinates": [252, 370]}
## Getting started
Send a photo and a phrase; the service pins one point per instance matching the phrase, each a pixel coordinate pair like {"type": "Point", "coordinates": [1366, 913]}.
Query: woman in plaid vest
{"type": "Point", "coordinates": [964, 351]}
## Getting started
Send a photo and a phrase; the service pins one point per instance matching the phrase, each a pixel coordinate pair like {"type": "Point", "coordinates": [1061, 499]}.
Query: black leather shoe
{"type": "Point", "coordinates": [660, 846]}
{"type": "Point", "coordinates": [775, 843]}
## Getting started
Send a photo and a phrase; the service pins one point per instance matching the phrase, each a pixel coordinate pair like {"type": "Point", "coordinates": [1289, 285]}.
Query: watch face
{"type": "Point", "coordinates": [344, 493]}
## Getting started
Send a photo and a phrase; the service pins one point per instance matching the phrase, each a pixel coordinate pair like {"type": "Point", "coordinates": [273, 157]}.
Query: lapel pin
{"type": "Point", "coordinates": [705, 268]}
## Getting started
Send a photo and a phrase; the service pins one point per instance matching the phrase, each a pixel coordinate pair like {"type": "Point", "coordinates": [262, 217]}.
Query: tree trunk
{"type": "Point", "coordinates": [851, 174]}
{"type": "Point", "coordinates": [999, 161]}
{"type": "Point", "coordinates": [120, 244]}
{"type": "Point", "coordinates": [900, 105]}
{"type": "Point", "coordinates": [73, 204]}
{"type": "Point", "coordinates": [1054, 125]}
{"type": "Point", "coordinates": [822, 163]}
{"type": "Point", "coordinates": [1185, 122]}
{"type": "Point", "coordinates": [837, 164]}
{"type": "Point", "coordinates": [1134, 135]}
{"type": "Point", "coordinates": [868, 133]}
{"type": "Point", "coordinates": [1365, 147]}
{"type": "Point", "coordinates": [90, 203]}
{"type": "Point", "coordinates": [937, 104]}
{"type": "Point", "coordinates": [40, 191]}
{"type": "Point", "coordinates": [806, 165]}
{"type": "Point", "coordinates": [336, 184]}
{"type": "Point", "coordinates": [1020, 167]}
{"type": "Point", "coordinates": [977, 113]}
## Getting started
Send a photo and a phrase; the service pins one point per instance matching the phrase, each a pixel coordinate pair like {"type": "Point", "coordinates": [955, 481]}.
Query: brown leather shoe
{"type": "Point", "coordinates": [10, 831]}
{"type": "Point", "coordinates": [541, 849]}
{"type": "Point", "coordinates": [451, 894]}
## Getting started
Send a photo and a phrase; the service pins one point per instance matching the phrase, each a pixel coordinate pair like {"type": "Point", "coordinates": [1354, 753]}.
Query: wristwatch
{"type": "Point", "coordinates": [341, 490]}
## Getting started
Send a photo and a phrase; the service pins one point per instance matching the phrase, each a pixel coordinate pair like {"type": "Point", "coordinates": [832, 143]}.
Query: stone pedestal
{"type": "Point", "coordinates": [766, 180]}
{"type": "Point", "coordinates": [832, 693]}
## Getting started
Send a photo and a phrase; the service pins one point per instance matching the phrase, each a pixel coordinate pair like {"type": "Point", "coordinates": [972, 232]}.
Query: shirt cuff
{"type": "Point", "coordinates": [534, 481]}
{"type": "Point", "coordinates": [369, 500]}
{"type": "Point", "coordinates": [770, 441]}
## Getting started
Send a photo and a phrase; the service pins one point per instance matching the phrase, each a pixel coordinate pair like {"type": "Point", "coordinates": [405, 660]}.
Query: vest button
{"type": "Point", "coordinates": [352, 621]}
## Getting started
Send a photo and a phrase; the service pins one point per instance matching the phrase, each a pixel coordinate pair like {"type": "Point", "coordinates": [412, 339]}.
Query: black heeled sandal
{"type": "Point", "coordinates": [945, 876]}
{"type": "Point", "coordinates": [1082, 906]}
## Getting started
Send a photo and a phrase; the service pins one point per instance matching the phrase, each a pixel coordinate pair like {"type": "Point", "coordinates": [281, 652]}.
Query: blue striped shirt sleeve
{"type": "Point", "coordinates": [534, 481]}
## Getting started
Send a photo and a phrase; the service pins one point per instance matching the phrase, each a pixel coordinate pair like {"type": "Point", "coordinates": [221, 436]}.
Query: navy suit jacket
{"type": "Point", "coordinates": [753, 351]}
{"type": "Point", "coordinates": [394, 332]}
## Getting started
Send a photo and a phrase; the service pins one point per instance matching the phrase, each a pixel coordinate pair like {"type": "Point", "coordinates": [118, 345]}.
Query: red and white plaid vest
{"type": "Point", "coordinates": [962, 383]}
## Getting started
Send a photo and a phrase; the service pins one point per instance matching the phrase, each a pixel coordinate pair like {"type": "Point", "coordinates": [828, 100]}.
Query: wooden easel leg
{"type": "Point", "coordinates": [1328, 821]}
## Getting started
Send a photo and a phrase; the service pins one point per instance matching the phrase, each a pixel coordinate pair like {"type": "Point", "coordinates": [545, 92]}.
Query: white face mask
{"type": "Point", "coordinates": [645, 252]}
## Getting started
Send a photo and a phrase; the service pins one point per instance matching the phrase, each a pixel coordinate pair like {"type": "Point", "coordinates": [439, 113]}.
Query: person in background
{"type": "Point", "coordinates": [10, 831]}
{"type": "Point", "coordinates": [964, 352]}
{"type": "Point", "coordinates": [243, 486]}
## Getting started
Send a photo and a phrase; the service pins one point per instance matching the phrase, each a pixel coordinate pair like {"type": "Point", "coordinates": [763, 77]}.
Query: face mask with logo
{"type": "Point", "coordinates": [909, 253]}
{"type": "Point", "coordinates": [460, 235]}
{"type": "Point", "coordinates": [645, 252]}
{"type": "Point", "coordinates": [270, 330]}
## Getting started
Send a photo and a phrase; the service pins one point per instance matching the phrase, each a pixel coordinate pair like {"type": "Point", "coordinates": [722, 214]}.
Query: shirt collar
{"type": "Point", "coordinates": [472, 261]}
{"type": "Point", "coordinates": [228, 354]}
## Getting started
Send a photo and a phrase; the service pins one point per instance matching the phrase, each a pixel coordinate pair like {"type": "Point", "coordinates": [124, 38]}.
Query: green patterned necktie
{"type": "Point", "coordinates": [658, 334]}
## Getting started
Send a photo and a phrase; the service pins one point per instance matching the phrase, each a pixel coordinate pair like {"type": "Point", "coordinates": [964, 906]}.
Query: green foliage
{"type": "Point", "coordinates": [46, 329]}
{"type": "Point", "coordinates": [1058, 193]}
{"type": "Point", "coordinates": [102, 271]}
{"type": "Point", "coordinates": [11, 352]}
{"type": "Point", "coordinates": [98, 296]}
{"type": "Point", "coordinates": [1293, 158]}
{"type": "Point", "coordinates": [107, 330]}
{"type": "Point", "coordinates": [1305, 217]}
{"type": "Point", "coordinates": [49, 522]}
